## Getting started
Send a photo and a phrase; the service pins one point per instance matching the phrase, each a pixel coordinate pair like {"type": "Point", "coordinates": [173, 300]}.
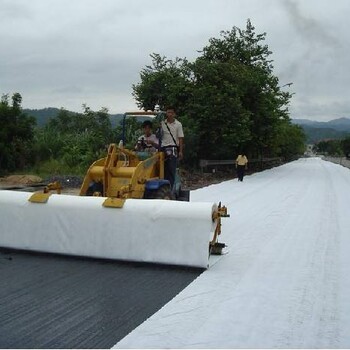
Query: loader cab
{"type": "Point", "coordinates": [132, 130]}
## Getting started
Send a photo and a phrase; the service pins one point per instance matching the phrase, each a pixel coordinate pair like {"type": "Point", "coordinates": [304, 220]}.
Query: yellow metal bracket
{"type": "Point", "coordinates": [114, 202]}
{"type": "Point", "coordinates": [220, 212]}
{"type": "Point", "coordinates": [39, 197]}
{"type": "Point", "coordinates": [53, 186]}
{"type": "Point", "coordinates": [43, 197]}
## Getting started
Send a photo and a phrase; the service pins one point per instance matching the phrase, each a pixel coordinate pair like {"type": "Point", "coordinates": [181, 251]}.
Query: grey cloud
{"type": "Point", "coordinates": [318, 50]}
{"type": "Point", "coordinates": [11, 10]}
{"type": "Point", "coordinates": [65, 53]}
{"type": "Point", "coordinates": [309, 29]}
{"type": "Point", "coordinates": [321, 109]}
{"type": "Point", "coordinates": [70, 89]}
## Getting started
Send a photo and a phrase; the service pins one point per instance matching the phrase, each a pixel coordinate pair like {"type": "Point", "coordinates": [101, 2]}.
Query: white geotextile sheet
{"type": "Point", "coordinates": [157, 231]}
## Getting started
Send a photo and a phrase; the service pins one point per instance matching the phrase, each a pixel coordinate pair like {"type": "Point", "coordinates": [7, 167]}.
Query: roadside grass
{"type": "Point", "coordinates": [50, 168]}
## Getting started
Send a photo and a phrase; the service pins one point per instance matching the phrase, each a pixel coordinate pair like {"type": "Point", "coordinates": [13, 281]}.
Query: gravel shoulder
{"type": "Point", "coordinates": [71, 184]}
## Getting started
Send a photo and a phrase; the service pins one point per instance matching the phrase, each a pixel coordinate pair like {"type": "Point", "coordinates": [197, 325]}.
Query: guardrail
{"type": "Point", "coordinates": [256, 164]}
{"type": "Point", "coordinates": [338, 160]}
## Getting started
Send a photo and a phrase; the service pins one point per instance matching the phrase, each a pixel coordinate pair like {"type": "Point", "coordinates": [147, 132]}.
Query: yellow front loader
{"type": "Point", "coordinates": [127, 174]}
{"type": "Point", "coordinates": [126, 210]}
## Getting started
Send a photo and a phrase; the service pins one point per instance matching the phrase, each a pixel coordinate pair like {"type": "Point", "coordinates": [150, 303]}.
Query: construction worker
{"type": "Point", "coordinates": [148, 141]}
{"type": "Point", "coordinates": [241, 166]}
{"type": "Point", "coordinates": [171, 144]}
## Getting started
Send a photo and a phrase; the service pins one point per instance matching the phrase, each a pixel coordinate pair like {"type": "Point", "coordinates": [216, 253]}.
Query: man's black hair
{"type": "Point", "coordinates": [147, 123]}
{"type": "Point", "coordinates": [170, 107]}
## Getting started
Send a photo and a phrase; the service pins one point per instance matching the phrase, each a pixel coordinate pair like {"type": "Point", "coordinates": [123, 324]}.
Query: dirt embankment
{"type": "Point", "coordinates": [20, 180]}
{"type": "Point", "coordinates": [194, 180]}
{"type": "Point", "coordinates": [71, 184]}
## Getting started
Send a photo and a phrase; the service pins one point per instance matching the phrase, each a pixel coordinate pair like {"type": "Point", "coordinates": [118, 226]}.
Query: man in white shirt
{"type": "Point", "coordinates": [171, 144]}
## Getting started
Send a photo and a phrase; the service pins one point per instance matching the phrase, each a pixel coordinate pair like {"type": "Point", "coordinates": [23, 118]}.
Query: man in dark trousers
{"type": "Point", "coordinates": [241, 166]}
{"type": "Point", "coordinates": [172, 144]}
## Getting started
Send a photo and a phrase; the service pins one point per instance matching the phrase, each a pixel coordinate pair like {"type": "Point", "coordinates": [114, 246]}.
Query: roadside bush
{"type": "Point", "coordinates": [16, 134]}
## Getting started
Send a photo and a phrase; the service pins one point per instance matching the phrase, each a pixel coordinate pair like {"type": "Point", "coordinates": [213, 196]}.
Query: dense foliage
{"type": "Point", "coordinates": [345, 143]}
{"type": "Point", "coordinates": [227, 99]}
{"type": "Point", "coordinates": [72, 141]}
{"type": "Point", "coordinates": [336, 148]}
{"type": "Point", "coordinates": [42, 115]}
{"type": "Point", "coordinates": [16, 134]}
{"type": "Point", "coordinates": [67, 144]}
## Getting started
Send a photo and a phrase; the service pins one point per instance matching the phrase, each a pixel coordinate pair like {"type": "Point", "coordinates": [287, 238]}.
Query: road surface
{"type": "Point", "coordinates": [50, 301]}
{"type": "Point", "coordinates": [285, 282]}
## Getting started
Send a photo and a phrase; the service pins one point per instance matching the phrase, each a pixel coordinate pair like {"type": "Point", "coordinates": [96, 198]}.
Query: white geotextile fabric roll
{"type": "Point", "coordinates": [156, 231]}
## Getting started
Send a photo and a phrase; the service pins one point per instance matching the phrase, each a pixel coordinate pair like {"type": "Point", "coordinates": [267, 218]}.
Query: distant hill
{"type": "Point", "coordinates": [314, 130]}
{"type": "Point", "coordinates": [317, 131]}
{"type": "Point", "coordinates": [43, 115]}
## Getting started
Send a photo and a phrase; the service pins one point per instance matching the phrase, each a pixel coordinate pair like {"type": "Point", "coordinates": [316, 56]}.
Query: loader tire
{"type": "Point", "coordinates": [93, 188]}
{"type": "Point", "coordinates": [163, 192]}
{"type": "Point", "coordinates": [183, 196]}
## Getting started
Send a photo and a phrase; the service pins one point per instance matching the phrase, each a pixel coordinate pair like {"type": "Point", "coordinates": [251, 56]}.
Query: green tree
{"type": "Point", "coordinates": [74, 140]}
{"type": "Point", "coordinates": [165, 82]}
{"type": "Point", "coordinates": [95, 122]}
{"type": "Point", "coordinates": [254, 105]}
{"type": "Point", "coordinates": [345, 144]}
{"type": "Point", "coordinates": [222, 123]}
{"type": "Point", "coordinates": [16, 134]}
{"type": "Point", "coordinates": [330, 147]}
{"type": "Point", "coordinates": [228, 98]}
{"type": "Point", "coordinates": [290, 141]}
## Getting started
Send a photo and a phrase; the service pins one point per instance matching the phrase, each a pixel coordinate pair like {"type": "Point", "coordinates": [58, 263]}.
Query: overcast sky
{"type": "Point", "coordinates": [63, 53]}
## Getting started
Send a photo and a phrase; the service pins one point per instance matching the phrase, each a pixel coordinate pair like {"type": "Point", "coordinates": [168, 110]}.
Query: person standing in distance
{"type": "Point", "coordinates": [171, 144]}
{"type": "Point", "coordinates": [241, 166]}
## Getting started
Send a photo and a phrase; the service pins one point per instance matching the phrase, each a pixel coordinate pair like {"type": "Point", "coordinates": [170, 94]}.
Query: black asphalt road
{"type": "Point", "coordinates": [50, 301]}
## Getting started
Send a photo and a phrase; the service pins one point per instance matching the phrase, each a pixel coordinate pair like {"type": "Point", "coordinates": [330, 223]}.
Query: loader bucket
{"type": "Point", "coordinates": [153, 231]}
